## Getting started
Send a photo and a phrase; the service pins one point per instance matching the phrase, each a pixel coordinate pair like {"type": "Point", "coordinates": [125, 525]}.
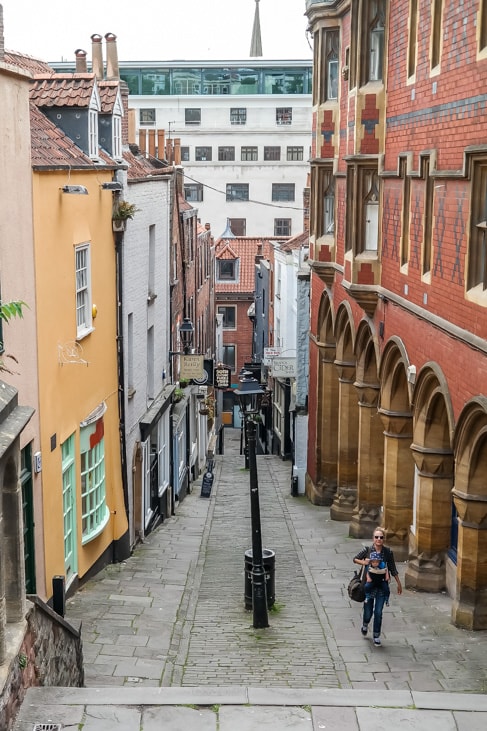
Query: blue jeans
{"type": "Point", "coordinates": [374, 606]}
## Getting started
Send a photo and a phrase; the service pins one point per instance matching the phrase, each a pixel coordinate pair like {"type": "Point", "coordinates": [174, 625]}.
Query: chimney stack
{"type": "Point", "coordinates": [81, 67]}
{"type": "Point", "coordinates": [97, 55]}
{"type": "Point", "coordinates": [113, 71]}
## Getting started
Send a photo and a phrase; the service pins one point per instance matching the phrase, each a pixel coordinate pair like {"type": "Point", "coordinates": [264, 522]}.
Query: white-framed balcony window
{"type": "Point", "coordinates": [117, 137]}
{"type": "Point", "coordinates": [371, 210]}
{"type": "Point", "coordinates": [229, 313]}
{"type": "Point", "coordinates": [84, 322]}
{"type": "Point", "coordinates": [329, 205]}
{"type": "Point", "coordinates": [94, 510]}
{"type": "Point", "coordinates": [93, 133]}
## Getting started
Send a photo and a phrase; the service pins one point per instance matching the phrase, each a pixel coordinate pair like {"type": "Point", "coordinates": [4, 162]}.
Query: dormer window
{"type": "Point", "coordinates": [117, 137]}
{"type": "Point", "coordinates": [93, 133]}
{"type": "Point", "coordinates": [227, 270]}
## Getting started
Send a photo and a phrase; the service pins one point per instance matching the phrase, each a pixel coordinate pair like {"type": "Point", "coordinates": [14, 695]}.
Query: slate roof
{"type": "Point", "coordinates": [245, 249]}
{"type": "Point", "coordinates": [50, 146]}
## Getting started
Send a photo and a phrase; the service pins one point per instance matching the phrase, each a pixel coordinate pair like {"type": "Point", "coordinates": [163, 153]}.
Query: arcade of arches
{"type": "Point", "coordinates": [388, 452]}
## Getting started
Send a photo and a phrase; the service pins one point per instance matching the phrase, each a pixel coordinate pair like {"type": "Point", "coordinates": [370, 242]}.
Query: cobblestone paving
{"type": "Point", "coordinates": [173, 614]}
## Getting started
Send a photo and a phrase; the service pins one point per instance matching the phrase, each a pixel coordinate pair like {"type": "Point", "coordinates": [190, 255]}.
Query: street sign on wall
{"type": "Point", "coordinates": [270, 354]}
{"type": "Point", "coordinates": [191, 366]}
{"type": "Point", "coordinates": [283, 367]}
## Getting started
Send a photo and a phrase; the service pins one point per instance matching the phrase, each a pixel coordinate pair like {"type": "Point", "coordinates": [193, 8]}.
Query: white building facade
{"type": "Point", "coordinates": [245, 133]}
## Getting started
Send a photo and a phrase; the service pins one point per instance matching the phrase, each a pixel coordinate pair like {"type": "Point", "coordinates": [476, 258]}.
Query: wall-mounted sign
{"type": "Point", "coordinates": [191, 366]}
{"type": "Point", "coordinates": [223, 377]}
{"type": "Point", "coordinates": [283, 367]}
{"type": "Point", "coordinates": [270, 354]}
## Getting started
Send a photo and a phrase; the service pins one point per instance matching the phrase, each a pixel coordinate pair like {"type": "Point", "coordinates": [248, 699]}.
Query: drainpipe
{"type": "Point", "coordinates": [121, 549]}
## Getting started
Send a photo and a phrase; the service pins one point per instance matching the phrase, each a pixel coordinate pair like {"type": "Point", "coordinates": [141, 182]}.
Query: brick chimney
{"type": "Point", "coordinates": [113, 71]}
{"type": "Point", "coordinates": [81, 66]}
{"type": "Point", "coordinates": [2, 38]}
{"type": "Point", "coordinates": [97, 55]}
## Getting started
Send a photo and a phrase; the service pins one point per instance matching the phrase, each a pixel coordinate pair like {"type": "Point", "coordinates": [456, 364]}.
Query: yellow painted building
{"type": "Point", "coordinates": [85, 516]}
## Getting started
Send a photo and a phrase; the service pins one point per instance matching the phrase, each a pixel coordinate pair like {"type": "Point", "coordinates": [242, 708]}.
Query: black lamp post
{"type": "Point", "coordinates": [249, 396]}
{"type": "Point", "coordinates": [186, 332]}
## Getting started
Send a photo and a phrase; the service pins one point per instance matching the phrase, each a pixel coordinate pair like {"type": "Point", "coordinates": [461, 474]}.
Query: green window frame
{"type": "Point", "coordinates": [94, 510]}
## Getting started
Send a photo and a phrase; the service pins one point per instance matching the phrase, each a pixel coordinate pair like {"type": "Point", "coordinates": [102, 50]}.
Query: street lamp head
{"type": "Point", "coordinates": [186, 332]}
{"type": "Point", "coordinates": [249, 394]}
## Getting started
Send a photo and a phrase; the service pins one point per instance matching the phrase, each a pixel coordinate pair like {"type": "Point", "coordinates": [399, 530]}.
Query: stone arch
{"type": "Point", "coordinates": [370, 466]}
{"type": "Point", "coordinates": [432, 450]}
{"type": "Point", "coordinates": [326, 446]}
{"type": "Point", "coordinates": [345, 362]}
{"type": "Point", "coordinates": [470, 496]}
{"type": "Point", "coordinates": [397, 419]}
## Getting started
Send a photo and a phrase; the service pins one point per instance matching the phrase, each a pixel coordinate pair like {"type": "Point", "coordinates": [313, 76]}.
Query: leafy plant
{"type": "Point", "coordinates": [124, 210]}
{"type": "Point", "coordinates": [9, 310]}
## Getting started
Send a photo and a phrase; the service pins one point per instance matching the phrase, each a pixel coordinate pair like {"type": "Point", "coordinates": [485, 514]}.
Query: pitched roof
{"type": "Point", "coordinates": [245, 249]}
{"type": "Point", "coordinates": [109, 90]}
{"type": "Point", "coordinates": [28, 63]}
{"type": "Point", "coordinates": [63, 90]}
{"type": "Point", "coordinates": [50, 146]}
{"type": "Point", "coordinates": [300, 241]}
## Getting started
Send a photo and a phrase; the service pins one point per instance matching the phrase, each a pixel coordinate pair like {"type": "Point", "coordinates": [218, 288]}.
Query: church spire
{"type": "Point", "coordinates": [256, 43]}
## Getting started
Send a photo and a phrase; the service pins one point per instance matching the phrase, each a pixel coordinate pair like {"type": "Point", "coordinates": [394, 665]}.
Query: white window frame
{"type": "Point", "coordinates": [93, 133]}
{"type": "Point", "coordinates": [84, 317]}
{"type": "Point", "coordinates": [94, 510]}
{"type": "Point", "coordinates": [117, 137]}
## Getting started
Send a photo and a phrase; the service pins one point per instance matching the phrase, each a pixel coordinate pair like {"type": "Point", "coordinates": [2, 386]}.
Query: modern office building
{"type": "Point", "coordinates": [245, 134]}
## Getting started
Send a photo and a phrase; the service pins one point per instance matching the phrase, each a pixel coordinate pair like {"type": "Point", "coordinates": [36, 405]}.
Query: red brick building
{"type": "Point", "coordinates": [398, 383]}
{"type": "Point", "coordinates": [235, 260]}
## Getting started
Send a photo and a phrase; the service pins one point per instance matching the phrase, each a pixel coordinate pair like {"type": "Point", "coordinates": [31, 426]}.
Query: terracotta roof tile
{"type": "Point", "coordinates": [28, 63]}
{"type": "Point", "coordinates": [50, 146]}
{"type": "Point", "coordinates": [299, 241]}
{"type": "Point", "coordinates": [62, 90]}
{"type": "Point", "coordinates": [245, 249]}
{"type": "Point", "coordinates": [108, 95]}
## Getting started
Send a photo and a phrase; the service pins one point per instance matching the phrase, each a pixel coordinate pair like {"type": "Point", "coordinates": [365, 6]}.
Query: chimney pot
{"type": "Point", "coordinates": [81, 67]}
{"type": "Point", "coordinates": [112, 56]}
{"type": "Point", "coordinates": [97, 55]}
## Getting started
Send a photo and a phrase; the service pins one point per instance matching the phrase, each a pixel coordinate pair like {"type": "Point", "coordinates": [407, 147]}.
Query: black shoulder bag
{"type": "Point", "coordinates": [356, 586]}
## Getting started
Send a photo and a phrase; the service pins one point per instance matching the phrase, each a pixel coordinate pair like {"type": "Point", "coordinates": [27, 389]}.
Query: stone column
{"type": "Point", "coordinates": [370, 473]}
{"type": "Point", "coordinates": [327, 429]}
{"type": "Point", "coordinates": [426, 569]}
{"type": "Point", "coordinates": [346, 497]}
{"type": "Point", "coordinates": [398, 480]}
{"type": "Point", "coordinates": [469, 608]}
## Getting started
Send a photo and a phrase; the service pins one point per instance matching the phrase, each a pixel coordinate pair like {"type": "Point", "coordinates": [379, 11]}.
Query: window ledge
{"type": "Point", "coordinates": [84, 333]}
{"type": "Point", "coordinates": [99, 529]}
{"type": "Point", "coordinates": [477, 295]}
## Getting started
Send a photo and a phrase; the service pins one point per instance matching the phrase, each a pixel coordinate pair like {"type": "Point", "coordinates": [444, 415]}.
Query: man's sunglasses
{"type": "Point", "coordinates": [378, 538]}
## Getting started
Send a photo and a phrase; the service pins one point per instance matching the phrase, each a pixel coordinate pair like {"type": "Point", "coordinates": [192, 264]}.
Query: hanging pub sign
{"type": "Point", "coordinates": [191, 366]}
{"type": "Point", "coordinates": [222, 376]}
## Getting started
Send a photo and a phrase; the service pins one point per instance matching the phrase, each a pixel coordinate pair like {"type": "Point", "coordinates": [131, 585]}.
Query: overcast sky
{"type": "Point", "coordinates": [156, 29]}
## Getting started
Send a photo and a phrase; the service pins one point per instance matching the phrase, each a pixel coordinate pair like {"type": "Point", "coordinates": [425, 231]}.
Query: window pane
{"type": "Point", "coordinates": [192, 116]}
{"type": "Point", "coordinates": [186, 81]}
{"type": "Point", "coordinates": [282, 191]}
{"type": "Point", "coordinates": [238, 115]}
{"type": "Point", "coordinates": [229, 317]}
{"type": "Point", "coordinates": [184, 154]}
{"type": "Point", "coordinates": [249, 153]}
{"type": "Point", "coordinates": [203, 153]}
{"type": "Point", "coordinates": [272, 153]}
{"type": "Point", "coordinates": [284, 115]}
{"type": "Point", "coordinates": [238, 226]}
{"type": "Point", "coordinates": [226, 269]}
{"type": "Point", "coordinates": [294, 153]}
{"type": "Point", "coordinates": [282, 227]}
{"type": "Point", "coordinates": [147, 116]}
{"type": "Point", "coordinates": [237, 192]}
{"type": "Point", "coordinates": [229, 356]}
{"type": "Point", "coordinates": [226, 153]}
{"type": "Point", "coordinates": [155, 82]}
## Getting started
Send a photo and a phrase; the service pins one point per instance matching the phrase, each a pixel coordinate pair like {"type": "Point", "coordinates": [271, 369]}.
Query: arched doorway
{"type": "Point", "coordinates": [470, 496]}
{"type": "Point", "coordinates": [346, 495]}
{"type": "Point", "coordinates": [367, 512]}
{"type": "Point", "coordinates": [432, 451]}
{"type": "Point", "coordinates": [395, 412]}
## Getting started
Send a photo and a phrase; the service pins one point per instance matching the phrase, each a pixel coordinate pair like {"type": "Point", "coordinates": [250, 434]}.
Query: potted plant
{"type": "Point", "coordinates": [178, 394]}
{"type": "Point", "coordinates": [121, 213]}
